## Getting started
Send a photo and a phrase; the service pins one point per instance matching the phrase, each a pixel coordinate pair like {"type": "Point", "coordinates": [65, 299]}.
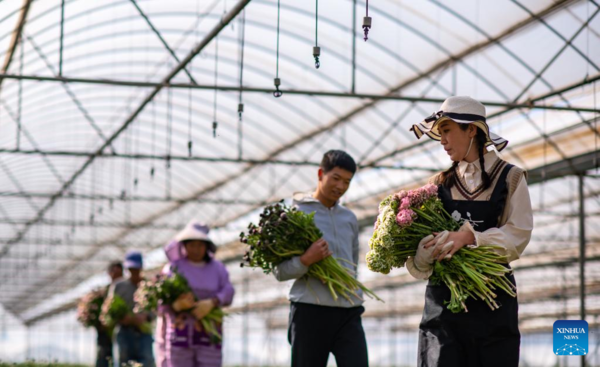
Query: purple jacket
{"type": "Point", "coordinates": [207, 281]}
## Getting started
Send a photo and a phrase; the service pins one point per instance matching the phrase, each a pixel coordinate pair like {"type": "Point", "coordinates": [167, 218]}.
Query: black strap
{"type": "Point", "coordinates": [501, 184]}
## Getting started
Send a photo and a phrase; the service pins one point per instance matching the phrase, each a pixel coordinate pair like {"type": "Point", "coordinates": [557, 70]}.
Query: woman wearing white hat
{"type": "Point", "coordinates": [192, 255]}
{"type": "Point", "coordinates": [491, 198]}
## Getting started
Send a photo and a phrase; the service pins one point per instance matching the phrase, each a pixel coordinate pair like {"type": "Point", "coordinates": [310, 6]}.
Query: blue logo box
{"type": "Point", "coordinates": [570, 337]}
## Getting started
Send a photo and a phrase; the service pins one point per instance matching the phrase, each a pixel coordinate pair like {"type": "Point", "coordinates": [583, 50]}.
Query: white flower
{"type": "Point", "coordinates": [456, 215]}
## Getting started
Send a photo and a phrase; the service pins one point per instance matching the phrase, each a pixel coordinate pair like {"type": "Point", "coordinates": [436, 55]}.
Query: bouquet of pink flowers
{"type": "Point", "coordinates": [407, 217]}
{"type": "Point", "coordinates": [89, 307]}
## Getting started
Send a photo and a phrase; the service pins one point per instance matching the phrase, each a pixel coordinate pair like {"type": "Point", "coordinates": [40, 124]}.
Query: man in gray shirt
{"type": "Point", "coordinates": [319, 324]}
{"type": "Point", "coordinates": [134, 346]}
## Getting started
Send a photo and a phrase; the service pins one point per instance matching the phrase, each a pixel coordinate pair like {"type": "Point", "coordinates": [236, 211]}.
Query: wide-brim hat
{"type": "Point", "coordinates": [175, 249]}
{"type": "Point", "coordinates": [462, 110]}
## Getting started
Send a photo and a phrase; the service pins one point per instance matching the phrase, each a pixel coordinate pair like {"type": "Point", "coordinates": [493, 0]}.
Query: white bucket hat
{"type": "Point", "coordinates": [462, 110]}
{"type": "Point", "coordinates": [196, 231]}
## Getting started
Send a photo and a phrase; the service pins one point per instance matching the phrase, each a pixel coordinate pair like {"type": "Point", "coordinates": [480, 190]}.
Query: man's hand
{"type": "Point", "coordinates": [315, 253]}
{"type": "Point", "coordinates": [134, 320]}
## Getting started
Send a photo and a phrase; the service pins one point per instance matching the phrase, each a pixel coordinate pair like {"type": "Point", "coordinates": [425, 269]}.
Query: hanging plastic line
{"type": "Point", "coordinates": [92, 194]}
{"type": "Point", "coordinates": [169, 126]}
{"type": "Point", "coordinates": [153, 137]}
{"type": "Point", "coordinates": [367, 23]}
{"type": "Point", "coordinates": [189, 144]}
{"type": "Point", "coordinates": [240, 103]}
{"type": "Point", "coordinates": [215, 124]}
{"type": "Point", "coordinates": [595, 130]}
{"type": "Point", "coordinates": [545, 154]}
{"type": "Point", "coordinates": [136, 149]}
{"type": "Point", "coordinates": [317, 49]}
{"type": "Point", "coordinates": [587, 43]}
{"type": "Point", "coordinates": [126, 169]}
{"type": "Point", "coordinates": [20, 105]}
{"type": "Point", "coordinates": [169, 141]}
{"type": "Point", "coordinates": [277, 93]}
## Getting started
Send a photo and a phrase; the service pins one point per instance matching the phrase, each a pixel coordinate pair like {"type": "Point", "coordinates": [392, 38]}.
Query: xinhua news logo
{"type": "Point", "coordinates": [570, 337]}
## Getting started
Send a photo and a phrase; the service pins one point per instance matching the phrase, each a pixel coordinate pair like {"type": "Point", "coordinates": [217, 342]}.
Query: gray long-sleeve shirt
{"type": "Point", "coordinates": [340, 229]}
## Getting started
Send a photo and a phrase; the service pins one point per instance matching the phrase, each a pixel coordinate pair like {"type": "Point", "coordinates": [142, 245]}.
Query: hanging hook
{"type": "Point", "coordinates": [240, 110]}
{"type": "Point", "coordinates": [367, 23]}
{"type": "Point", "coordinates": [366, 26]}
{"type": "Point", "coordinates": [215, 125]}
{"type": "Point", "coordinates": [277, 92]}
{"type": "Point", "coordinates": [189, 148]}
{"type": "Point", "coordinates": [316, 54]}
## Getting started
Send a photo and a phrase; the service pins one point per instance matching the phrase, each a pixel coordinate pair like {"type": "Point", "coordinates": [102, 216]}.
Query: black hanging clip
{"type": "Point", "coordinates": [316, 54]}
{"type": "Point", "coordinates": [277, 92]}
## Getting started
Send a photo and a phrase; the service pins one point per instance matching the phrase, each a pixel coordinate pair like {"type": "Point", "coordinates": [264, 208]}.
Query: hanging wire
{"type": "Point", "coordinates": [126, 177]}
{"type": "Point", "coordinates": [240, 103]}
{"type": "Point", "coordinates": [353, 87]}
{"type": "Point", "coordinates": [317, 49]}
{"type": "Point", "coordinates": [62, 35]}
{"type": "Point", "coordinates": [476, 41]}
{"type": "Point", "coordinates": [153, 137]}
{"type": "Point", "coordinates": [587, 42]}
{"type": "Point", "coordinates": [92, 195]}
{"type": "Point", "coordinates": [545, 153]}
{"type": "Point", "coordinates": [189, 144]}
{"type": "Point", "coordinates": [366, 23]}
{"type": "Point", "coordinates": [20, 105]}
{"type": "Point", "coordinates": [215, 124]}
{"type": "Point", "coordinates": [136, 148]}
{"type": "Point", "coordinates": [169, 140]}
{"type": "Point", "coordinates": [595, 130]}
{"type": "Point", "coordinates": [277, 93]}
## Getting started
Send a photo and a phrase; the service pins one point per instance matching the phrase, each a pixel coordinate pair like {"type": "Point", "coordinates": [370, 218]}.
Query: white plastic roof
{"type": "Point", "coordinates": [66, 213]}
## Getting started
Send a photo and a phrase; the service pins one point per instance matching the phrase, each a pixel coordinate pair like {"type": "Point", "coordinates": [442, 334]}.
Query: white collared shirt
{"type": "Point", "coordinates": [516, 223]}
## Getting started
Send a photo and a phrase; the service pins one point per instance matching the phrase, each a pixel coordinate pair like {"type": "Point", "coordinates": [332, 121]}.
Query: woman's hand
{"type": "Point", "coordinates": [203, 308]}
{"type": "Point", "coordinates": [459, 239]}
{"type": "Point", "coordinates": [184, 302]}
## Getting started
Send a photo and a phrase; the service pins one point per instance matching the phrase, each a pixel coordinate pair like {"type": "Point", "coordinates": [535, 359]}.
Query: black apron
{"type": "Point", "coordinates": [480, 337]}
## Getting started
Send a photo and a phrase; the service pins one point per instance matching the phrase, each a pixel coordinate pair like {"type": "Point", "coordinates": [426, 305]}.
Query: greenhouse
{"type": "Point", "coordinates": [126, 125]}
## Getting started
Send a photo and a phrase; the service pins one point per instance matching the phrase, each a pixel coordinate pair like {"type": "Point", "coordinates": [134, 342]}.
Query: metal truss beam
{"type": "Point", "coordinates": [118, 198]}
{"type": "Point", "coordinates": [66, 242]}
{"type": "Point", "coordinates": [360, 109]}
{"type": "Point", "coordinates": [422, 143]}
{"type": "Point", "coordinates": [16, 37]}
{"type": "Point", "coordinates": [162, 40]}
{"type": "Point", "coordinates": [198, 159]}
{"type": "Point", "coordinates": [207, 39]}
{"type": "Point", "coordinates": [89, 223]}
{"type": "Point", "coordinates": [313, 93]}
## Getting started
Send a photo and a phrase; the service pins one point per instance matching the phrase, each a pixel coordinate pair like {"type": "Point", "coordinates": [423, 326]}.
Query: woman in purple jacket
{"type": "Point", "coordinates": [192, 256]}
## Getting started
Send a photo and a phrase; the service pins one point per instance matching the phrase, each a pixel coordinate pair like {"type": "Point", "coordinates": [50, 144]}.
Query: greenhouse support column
{"type": "Point", "coordinates": [28, 342]}
{"type": "Point", "coordinates": [245, 325]}
{"type": "Point", "coordinates": [581, 254]}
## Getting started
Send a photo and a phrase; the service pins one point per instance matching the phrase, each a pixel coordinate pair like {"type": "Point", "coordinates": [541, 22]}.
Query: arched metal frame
{"type": "Point", "coordinates": [291, 146]}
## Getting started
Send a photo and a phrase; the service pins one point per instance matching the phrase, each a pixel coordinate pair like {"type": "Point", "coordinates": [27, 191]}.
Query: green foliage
{"type": "Point", "coordinates": [163, 290]}
{"type": "Point", "coordinates": [284, 232]}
